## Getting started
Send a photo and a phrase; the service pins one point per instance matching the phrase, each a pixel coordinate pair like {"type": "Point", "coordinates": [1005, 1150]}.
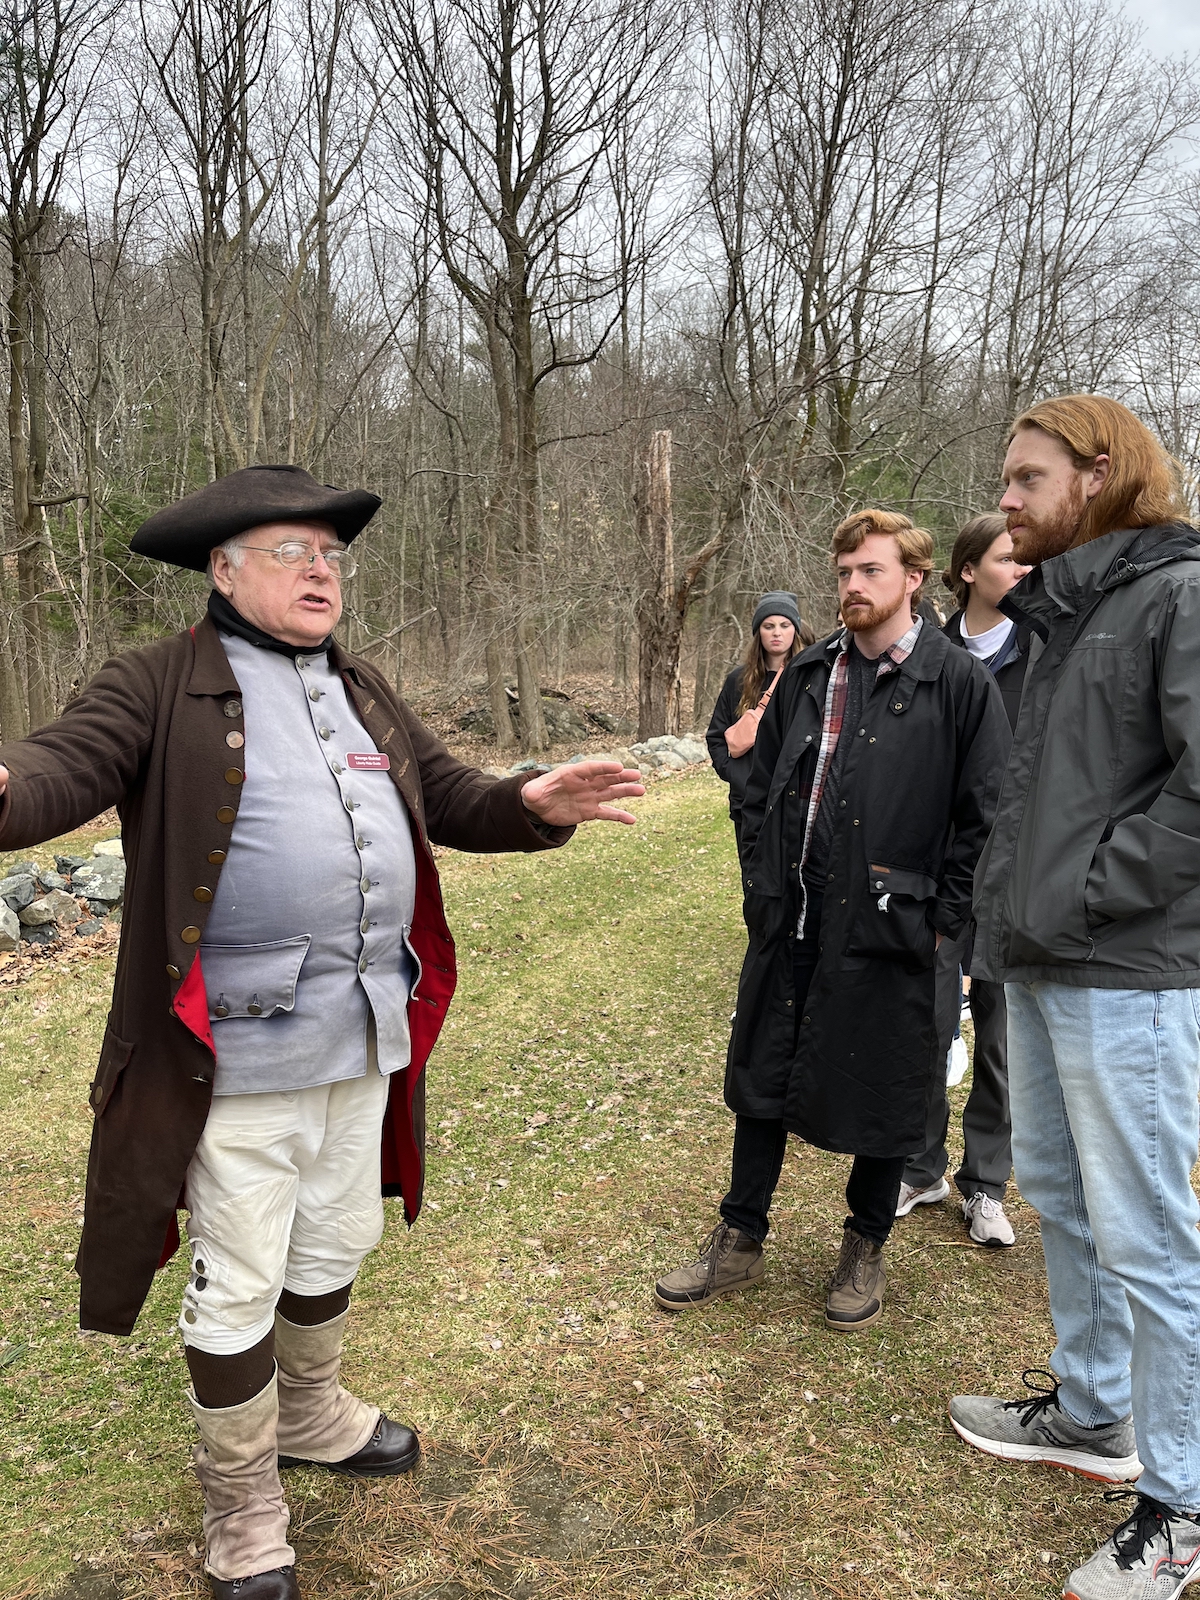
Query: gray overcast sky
{"type": "Point", "coordinates": [1172, 26]}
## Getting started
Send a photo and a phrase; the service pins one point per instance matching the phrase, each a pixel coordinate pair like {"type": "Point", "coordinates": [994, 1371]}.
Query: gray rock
{"type": "Point", "coordinates": [67, 864]}
{"type": "Point", "coordinates": [52, 880]}
{"type": "Point", "coordinates": [97, 908]}
{"type": "Point", "coordinates": [89, 926]}
{"type": "Point", "coordinates": [692, 750]}
{"type": "Point", "coordinates": [523, 766]}
{"type": "Point", "coordinates": [56, 907]}
{"type": "Point", "coordinates": [671, 759]}
{"type": "Point", "coordinates": [479, 722]}
{"type": "Point", "coordinates": [109, 847]}
{"type": "Point", "coordinates": [22, 869]}
{"type": "Point", "coordinates": [17, 891]}
{"type": "Point", "coordinates": [563, 721]}
{"type": "Point", "coordinates": [10, 929]}
{"type": "Point", "coordinates": [105, 882]}
{"type": "Point", "coordinates": [47, 935]}
{"type": "Point", "coordinates": [662, 741]}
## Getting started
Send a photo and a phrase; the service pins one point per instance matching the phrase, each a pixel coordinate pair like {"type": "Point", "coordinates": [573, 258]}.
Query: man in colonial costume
{"type": "Point", "coordinates": [285, 968]}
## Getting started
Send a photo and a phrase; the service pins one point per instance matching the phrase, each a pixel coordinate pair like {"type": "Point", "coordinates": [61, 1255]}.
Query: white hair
{"type": "Point", "coordinates": [233, 548]}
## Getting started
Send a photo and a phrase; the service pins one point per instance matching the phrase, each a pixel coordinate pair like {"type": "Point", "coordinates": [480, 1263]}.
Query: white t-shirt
{"type": "Point", "coordinates": [985, 645]}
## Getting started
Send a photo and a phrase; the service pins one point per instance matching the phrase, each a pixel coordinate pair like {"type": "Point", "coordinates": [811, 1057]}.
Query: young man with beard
{"type": "Point", "coordinates": [1088, 908]}
{"type": "Point", "coordinates": [875, 769]}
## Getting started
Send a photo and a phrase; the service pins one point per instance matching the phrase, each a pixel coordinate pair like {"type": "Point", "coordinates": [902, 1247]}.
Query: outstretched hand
{"type": "Point", "coordinates": [580, 792]}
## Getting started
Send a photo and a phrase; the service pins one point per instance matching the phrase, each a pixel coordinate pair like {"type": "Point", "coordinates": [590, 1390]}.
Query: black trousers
{"type": "Point", "coordinates": [759, 1145]}
{"type": "Point", "coordinates": [987, 1123]}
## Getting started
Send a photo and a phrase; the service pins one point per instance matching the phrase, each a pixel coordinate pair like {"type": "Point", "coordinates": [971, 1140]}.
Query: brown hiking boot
{"type": "Point", "coordinates": [729, 1260]}
{"type": "Point", "coordinates": [855, 1298]}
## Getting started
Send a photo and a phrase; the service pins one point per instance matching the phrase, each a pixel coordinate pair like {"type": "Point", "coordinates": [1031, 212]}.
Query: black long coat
{"type": "Point", "coordinates": [917, 797]}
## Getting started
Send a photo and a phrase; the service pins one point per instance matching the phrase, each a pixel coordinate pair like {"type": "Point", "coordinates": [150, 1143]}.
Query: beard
{"type": "Point", "coordinates": [864, 617]}
{"type": "Point", "coordinates": [1043, 538]}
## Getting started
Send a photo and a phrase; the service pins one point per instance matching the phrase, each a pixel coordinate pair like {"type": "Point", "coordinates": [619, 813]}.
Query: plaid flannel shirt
{"type": "Point", "coordinates": [890, 660]}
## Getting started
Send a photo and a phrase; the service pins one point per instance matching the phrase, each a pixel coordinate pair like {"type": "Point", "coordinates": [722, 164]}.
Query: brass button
{"type": "Point", "coordinates": [363, 964]}
{"type": "Point", "coordinates": [233, 775]}
{"type": "Point", "coordinates": [221, 1009]}
{"type": "Point", "coordinates": [189, 1315]}
{"type": "Point", "coordinates": [173, 971]}
{"type": "Point", "coordinates": [315, 694]}
{"type": "Point", "coordinates": [216, 857]}
{"type": "Point", "coordinates": [202, 894]}
{"type": "Point", "coordinates": [359, 841]}
{"type": "Point", "coordinates": [190, 935]}
{"type": "Point", "coordinates": [899, 706]}
{"type": "Point", "coordinates": [365, 925]}
{"type": "Point", "coordinates": [324, 732]}
{"type": "Point", "coordinates": [255, 1007]}
{"type": "Point", "coordinates": [235, 740]}
{"type": "Point", "coordinates": [364, 883]}
{"type": "Point", "coordinates": [232, 708]}
{"type": "Point", "coordinates": [226, 814]}
{"type": "Point", "coordinates": [336, 769]}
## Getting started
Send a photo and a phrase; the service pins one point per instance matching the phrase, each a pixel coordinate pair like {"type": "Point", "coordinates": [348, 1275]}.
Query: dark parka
{"type": "Point", "coordinates": [917, 798]}
{"type": "Point", "coordinates": [733, 770]}
{"type": "Point", "coordinates": [1092, 874]}
{"type": "Point", "coordinates": [149, 735]}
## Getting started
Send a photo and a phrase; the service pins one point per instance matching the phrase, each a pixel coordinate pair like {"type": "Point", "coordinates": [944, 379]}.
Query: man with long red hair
{"type": "Point", "coordinates": [1087, 900]}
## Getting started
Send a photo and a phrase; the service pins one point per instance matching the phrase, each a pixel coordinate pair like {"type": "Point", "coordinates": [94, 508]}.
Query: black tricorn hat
{"type": "Point", "coordinates": [186, 533]}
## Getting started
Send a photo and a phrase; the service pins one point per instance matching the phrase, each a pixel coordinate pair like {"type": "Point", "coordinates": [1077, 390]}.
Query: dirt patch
{"type": "Point", "coordinates": [89, 1585]}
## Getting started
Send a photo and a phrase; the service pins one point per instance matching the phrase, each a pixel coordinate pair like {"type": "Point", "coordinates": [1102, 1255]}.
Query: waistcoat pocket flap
{"type": "Point", "coordinates": [253, 980]}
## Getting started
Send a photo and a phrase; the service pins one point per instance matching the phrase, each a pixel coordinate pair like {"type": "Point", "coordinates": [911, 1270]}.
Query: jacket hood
{"type": "Point", "coordinates": [1066, 583]}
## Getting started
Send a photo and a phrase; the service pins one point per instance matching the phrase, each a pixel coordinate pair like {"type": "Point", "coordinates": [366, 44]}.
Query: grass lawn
{"type": "Point", "coordinates": [578, 1441]}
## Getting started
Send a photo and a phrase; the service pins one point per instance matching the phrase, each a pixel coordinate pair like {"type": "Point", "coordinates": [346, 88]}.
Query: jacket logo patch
{"type": "Point", "coordinates": [1088, 636]}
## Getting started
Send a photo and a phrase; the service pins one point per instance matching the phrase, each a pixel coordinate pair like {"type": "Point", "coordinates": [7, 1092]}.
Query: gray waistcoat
{"type": "Point", "coordinates": [307, 936]}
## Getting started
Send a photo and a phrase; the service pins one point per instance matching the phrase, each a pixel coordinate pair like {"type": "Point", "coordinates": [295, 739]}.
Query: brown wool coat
{"type": "Point", "coordinates": [148, 735]}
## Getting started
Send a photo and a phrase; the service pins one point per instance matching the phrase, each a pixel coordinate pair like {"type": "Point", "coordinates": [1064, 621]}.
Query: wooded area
{"type": "Point", "coordinates": [504, 261]}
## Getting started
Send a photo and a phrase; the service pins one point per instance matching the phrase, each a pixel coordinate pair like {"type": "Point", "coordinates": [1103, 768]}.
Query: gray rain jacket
{"type": "Point", "coordinates": [1091, 875]}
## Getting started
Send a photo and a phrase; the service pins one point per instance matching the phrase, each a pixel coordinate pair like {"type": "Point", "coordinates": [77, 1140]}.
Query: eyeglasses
{"type": "Point", "coordinates": [299, 557]}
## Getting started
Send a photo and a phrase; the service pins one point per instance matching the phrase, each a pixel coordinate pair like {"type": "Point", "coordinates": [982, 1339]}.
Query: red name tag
{"type": "Point", "coordinates": [373, 761]}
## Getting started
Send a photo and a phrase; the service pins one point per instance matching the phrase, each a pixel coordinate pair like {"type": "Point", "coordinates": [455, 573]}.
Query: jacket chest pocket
{"type": "Point", "coordinates": [252, 980]}
{"type": "Point", "coordinates": [892, 922]}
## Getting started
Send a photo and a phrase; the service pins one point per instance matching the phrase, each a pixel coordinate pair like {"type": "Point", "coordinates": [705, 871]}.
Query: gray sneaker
{"type": "Point", "coordinates": [1038, 1429]}
{"type": "Point", "coordinates": [730, 1260]}
{"type": "Point", "coordinates": [987, 1222]}
{"type": "Point", "coordinates": [1153, 1555]}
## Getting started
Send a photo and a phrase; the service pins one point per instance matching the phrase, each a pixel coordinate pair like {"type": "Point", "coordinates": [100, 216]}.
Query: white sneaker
{"type": "Point", "coordinates": [957, 1062]}
{"type": "Point", "coordinates": [986, 1220]}
{"type": "Point", "coordinates": [911, 1195]}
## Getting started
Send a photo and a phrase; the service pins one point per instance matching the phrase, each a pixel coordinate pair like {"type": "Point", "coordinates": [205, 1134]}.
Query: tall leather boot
{"type": "Point", "coordinates": [246, 1553]}
{"type": "Point", "coordinates": [322, 1424]}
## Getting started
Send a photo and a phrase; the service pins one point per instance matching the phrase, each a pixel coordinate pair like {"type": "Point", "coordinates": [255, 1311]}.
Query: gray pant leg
{"type": "Point", "coordinates": [930, 1166]}
{"type": "Point", "coordinates": [987, 1124]}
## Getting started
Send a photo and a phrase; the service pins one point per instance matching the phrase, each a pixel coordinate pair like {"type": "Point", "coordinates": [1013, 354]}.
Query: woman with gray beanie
{"type": "Point", "coordinates": [776, 635]}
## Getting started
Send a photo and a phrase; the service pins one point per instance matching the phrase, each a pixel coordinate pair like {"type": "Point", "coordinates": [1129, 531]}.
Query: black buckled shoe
{"type": "Point", "coordinates": [390, 1450]}
{"type": "Point", "coordinates": [278, 1584]}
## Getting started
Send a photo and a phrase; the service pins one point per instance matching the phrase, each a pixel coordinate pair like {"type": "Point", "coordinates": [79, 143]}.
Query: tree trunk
{"type": "Point", "coordinates": [660, 622]}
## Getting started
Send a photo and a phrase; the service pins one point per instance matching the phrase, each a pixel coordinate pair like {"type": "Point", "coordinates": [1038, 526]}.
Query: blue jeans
{"type": "Point", "coordinates": [1104, 1086]}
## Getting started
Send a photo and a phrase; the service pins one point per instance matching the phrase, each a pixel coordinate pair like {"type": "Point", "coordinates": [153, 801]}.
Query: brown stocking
{"type": "Point", "coordinates": [311, 1310]}
{"type": "Point", "coordinates": [219, 1382]}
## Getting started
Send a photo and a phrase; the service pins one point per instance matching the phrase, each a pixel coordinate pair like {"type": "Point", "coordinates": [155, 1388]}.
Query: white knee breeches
{"type": "Point", "coordinates": [282, 1192]}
